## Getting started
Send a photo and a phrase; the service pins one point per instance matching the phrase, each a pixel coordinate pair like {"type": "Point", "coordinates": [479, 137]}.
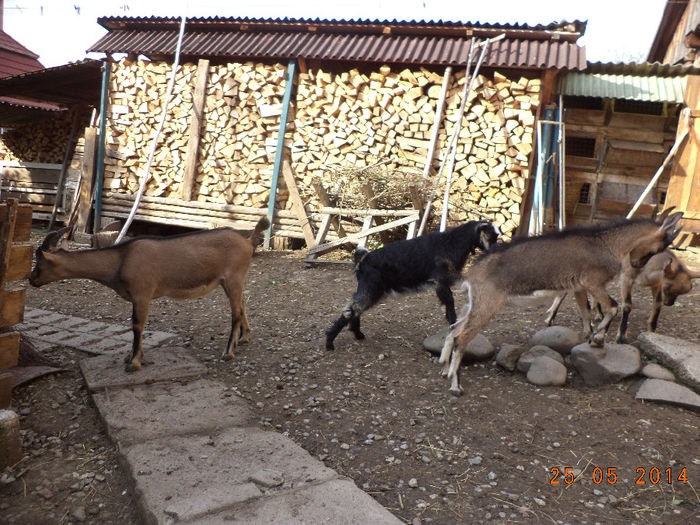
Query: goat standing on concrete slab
{"type": "Point", "coordinates": [410, 264]}
{"type": "Point", "coordinates": [666, 276]}
{"type": "Point", "coordinates": [144, 268]}
{"type": "Point", "coordinates": [583, 260]}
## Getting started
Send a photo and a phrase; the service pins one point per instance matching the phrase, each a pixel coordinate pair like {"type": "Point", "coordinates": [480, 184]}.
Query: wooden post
{"type": "Point", "coordinates": [200, 94]}
{"type": "Point", "coordinates": [372, 200]}
{"type": "Point", "coordinates": [87, 176]}
{"type": "Point", "coordinates": [280, 149]}
{"type": "Point", "coordinates": [439, 108]}
{"type": "Point", "coordinates": [326, 202]}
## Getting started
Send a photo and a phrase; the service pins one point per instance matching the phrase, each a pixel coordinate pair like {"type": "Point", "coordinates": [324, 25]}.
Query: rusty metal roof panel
{"type": "Point", "coordinates": [410, 49]}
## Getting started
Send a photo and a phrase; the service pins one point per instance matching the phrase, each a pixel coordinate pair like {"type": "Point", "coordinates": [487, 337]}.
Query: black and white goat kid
{"type": "Point", "coordinates": [410, 265]}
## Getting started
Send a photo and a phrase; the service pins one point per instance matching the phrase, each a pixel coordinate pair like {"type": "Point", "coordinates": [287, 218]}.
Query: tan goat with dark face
{"type": "Point", "coordinates": [144, 268]}
{"type": "Point", "coordinates": [584, 260]}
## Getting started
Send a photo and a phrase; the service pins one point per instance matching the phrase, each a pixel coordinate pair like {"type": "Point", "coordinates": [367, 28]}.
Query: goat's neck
{"type": "Point", "coordinates": [621, 240]}
{"type": "Point", "coordinates": [99, 265]}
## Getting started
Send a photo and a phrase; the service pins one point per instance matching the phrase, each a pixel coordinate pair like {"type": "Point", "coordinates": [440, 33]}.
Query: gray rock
{"type": "Point", "coordinates": [600, 366]}
{"type": "Point", "coordinates": [655, 371]}
{"type": "Point", "coordinates": [545, 371]}
{"type": "Point", "coordinates": [533, 353]}
{"type": "Point", "coordinates": [668, 392]}
{"type": "Point", "coordinates": [681, 357]}
{"type": "Point", "coordinates": [508, 356]}
{"type": "Point", "coordinates": [479, 349]}
{"type": "Point", "coordinates": [433, 343]}
{"type": "Point", "coordinates": [558, 338]}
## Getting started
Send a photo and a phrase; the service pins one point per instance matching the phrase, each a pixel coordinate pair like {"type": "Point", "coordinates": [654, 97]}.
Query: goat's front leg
{"type": "Point", "coordinates": [626, 287]}
{"type": "Point", "coordinates": [584, 309]}
{"type": "Point", "coordinates": [361, 301]}
{"type": "Point", "coordinates": [552, 311]}
{"type": "Point", "coordinates": [138, 322]}
{"type": "Point", "coordinates": [444, 293]}
{"type": "Point", "coordinates": [610, 308]}
{"type": "Point", "coordinates": [658, 301]}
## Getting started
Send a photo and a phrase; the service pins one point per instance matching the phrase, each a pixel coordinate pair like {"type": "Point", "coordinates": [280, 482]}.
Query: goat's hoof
{"type": "Point", "coordinates": [330, 346]}
{"type": "Point", "coordinates": [621, 339]}
{"type": "Point", "coordinates": [133, 367]}
{"type": "Point", "coordinates": [598, 342]}
{"type": "Point", "coordinates": [457, 391]}
{"type": "Point", "coordinates": [359, 336]}
{"type": "Point", "coordinates": [226, 357]}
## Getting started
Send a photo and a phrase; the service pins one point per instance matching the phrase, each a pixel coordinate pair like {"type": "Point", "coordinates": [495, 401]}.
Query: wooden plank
{"type": "Point", "coordinates": [23, 223]}
{"type": "Point", "coordinates": [297, 203]}
{"type": "Point", "coordinates": [347, 212]}
{"type": "Point", "coordinates": [87, 181]}
{"type": "Point", "coordinates": [20, 262]}
{"type": "Point", "coordinates": [9, 349]}
{"type": "Point", "coordinates": [6, 384]}
{"type": "Point", "coordinates": [326, 202]}
{"type": "Point", "coordinates": [355, 237]}
{"type": "Point", "coordinates": [11, 307]}
{"type": "Point", "coordinates": [7, 231]}
{"type": "Point", "coordinates": [366, 226]}
{"type": "Point", "coordinates": [200, 93]}
{"type": "Point", "coordinates": [372, 200]}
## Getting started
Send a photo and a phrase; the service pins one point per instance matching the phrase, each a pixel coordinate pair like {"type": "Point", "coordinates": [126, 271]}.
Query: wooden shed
{"type": "Point", "coordinates": [620, 122]}
{"type": "Point", "coordinates": [677, 42]}
{"type": "Point", "coordinates": [357, 96]}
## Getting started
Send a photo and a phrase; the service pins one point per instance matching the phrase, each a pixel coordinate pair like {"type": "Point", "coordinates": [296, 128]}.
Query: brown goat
{"type": "Point", "coordinates": [144, 268]}
{"type": "Point", "coordinates": [583, 260]}
{"type": "Point", "coordinates": [664, 274]}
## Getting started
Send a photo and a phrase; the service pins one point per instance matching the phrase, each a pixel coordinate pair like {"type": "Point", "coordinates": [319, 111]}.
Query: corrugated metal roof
{"type": "Point", "coordinates": [410, 44]}
{"type": "Point", "coordinates": [569, 30]}
{"type": "Point", "coordinates": [649, 88]}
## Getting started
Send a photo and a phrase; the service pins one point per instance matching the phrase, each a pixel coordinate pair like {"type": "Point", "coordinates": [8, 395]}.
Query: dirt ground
{"type": "Point", "coordinates": [378, 411]}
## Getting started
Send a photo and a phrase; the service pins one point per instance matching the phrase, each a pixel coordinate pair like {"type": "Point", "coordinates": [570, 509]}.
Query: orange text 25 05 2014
{"type": "Point", "coordinates": [644, 475]}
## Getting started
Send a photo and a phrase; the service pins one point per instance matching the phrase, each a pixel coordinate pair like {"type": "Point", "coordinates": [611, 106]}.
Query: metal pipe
{"type": "Point", "coordinates": [280, 150]}
{"type": "Point", "coordinates": [101, 145]}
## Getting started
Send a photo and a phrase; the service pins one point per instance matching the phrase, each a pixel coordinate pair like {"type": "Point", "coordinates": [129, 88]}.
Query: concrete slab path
{"type": "Point", "coordinates": [192, 446]}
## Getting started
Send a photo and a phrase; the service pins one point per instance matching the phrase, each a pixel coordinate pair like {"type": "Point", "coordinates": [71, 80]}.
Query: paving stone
{"type": "Point", "coordinates": [71, 323]}
{"type": "Point", "coordinates": [668, 392]}
{"type": "Point", "coordinates": [204, 464]}
{"type": "Point", "coordinates": [105, 346]}
{"type": "Point", "coordinates": [42, 330]}
{"type": "Point", "coordinates": [51, 318]}
{"type": "Point", "coordinates": [92, 326]}
{"type": "Point", "coordinates": [681, 357]}
{"type": "Point", "coordinates": [336, 501]}
{"type": "Point", "coordinates": [40, 345]}
{"type": "Point", "coordinates": [145, 412]}
{"type": "Point", "coordinates": [156, 338]}
{"type": "Point", "coordinates": [116, 330]}
{"type": "Point", "coordinates": [82, 342]}
{"type": "Point", "coordinates": [31, 313]}
{"type": "Point", "coordinates": [25, 326]}
{"type": "Point", "coordinates": [162, 364]}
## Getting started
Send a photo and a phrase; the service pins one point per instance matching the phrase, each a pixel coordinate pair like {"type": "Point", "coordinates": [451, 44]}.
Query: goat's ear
{"type": "Point", "coordinates": [659, 217]}
{"type": "Point", "coordinates": [667, 228]}
{"type": "Point", "coordinates": [55, 240]}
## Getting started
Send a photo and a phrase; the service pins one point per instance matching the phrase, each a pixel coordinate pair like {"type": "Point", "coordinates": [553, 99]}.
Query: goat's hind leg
{"type": "Point", "coordinates": [239, 321]}
{"type": "Point", "coordinates": [445, 295]}
{"type": "Point", "coordinates": [610, 308]}
{"type": "Point", "coordinates": [350, 316]}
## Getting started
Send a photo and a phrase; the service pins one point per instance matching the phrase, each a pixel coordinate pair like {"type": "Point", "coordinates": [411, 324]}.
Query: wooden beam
{"type": "Point", "coordinates": [8, 216]}
{"type": "Point", "coordinates": [355, 237]}
{"type": "Point", "coordinates": [9, 349]}
{"type": "Point", "coordinates": [297, 203]}
{"type": "Point", "coordinates": [87, 180]}
{"type": "Point", "coordinates": [192, 155]}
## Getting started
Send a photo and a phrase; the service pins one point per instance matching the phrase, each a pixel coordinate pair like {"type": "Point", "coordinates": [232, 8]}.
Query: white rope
{"type": "Point", "coordinates": [168, 95]}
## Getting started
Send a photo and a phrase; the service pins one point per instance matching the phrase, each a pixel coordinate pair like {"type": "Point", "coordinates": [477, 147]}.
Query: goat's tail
{"type": "Point", "coordinates": [359, 256]}
{"type": "Point", "coordinates": [258, 233]}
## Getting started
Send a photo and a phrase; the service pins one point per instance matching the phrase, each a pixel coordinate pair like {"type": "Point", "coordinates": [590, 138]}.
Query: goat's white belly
{"type": "Point", "coordinates": [536, 298]}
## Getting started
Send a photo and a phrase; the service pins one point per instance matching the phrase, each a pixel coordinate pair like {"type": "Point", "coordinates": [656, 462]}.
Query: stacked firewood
{"type": "Point", "coordinates": [44, 140]}
{"type": "Point", "coordinates": [233, 165]}
{"type": "Point", "coordinates": [355, 120]}
{"type": "Point", "coordinates": [337, 122]}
